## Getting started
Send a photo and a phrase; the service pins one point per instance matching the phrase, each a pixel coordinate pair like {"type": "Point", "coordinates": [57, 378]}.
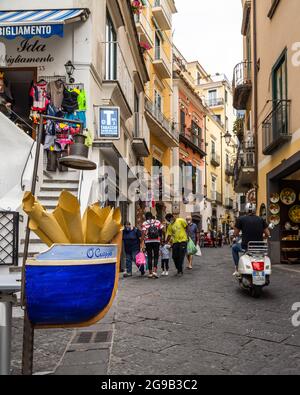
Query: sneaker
{"type": "Point", "coordinates": [166, 274]}
{"type": "Point", "coordinates": [127, 275]}
{"type": "Point", "coordinates": [236, 274]}
{"type": "Point", "coordinates": [154, 275]}
{"type": "Point", "coordinates": [163, 273]}
{"type": "Point", "coordinates": [150, 275]}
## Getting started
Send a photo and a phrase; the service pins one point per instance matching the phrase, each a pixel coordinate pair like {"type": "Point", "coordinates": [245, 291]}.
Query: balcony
{"type": "Point", "coordinates": [162, 63]}
{"type": "Point", "coordinates": [229, 170]}
{"type": "Point", "coordinates": [139, 144]}
{"type": "Point", "coordinates": [144, 29]}
{"type": "Point", "coordinates": [215, 159]}
{"type": "Point", "coordinates": [216, 197]}
{"type": "Point", "coordinates": [215, 102]}
{"type": "Point", "coordinates": [118, 85]}
{"type": "Point", "coordinates": [162, 15]}
{"type": "Point", "coordinates": [245, 170]}
{"type": "Point", "coordinates": [160, 126]}
{"type": "Point", "coordinates": [276, 127]}
{"type": "Point", "coordinates": [242, 85]}
{"type": "Point", "coordinates": [193, 140]}
{"type": "Point", "coordinates": [229, 204]}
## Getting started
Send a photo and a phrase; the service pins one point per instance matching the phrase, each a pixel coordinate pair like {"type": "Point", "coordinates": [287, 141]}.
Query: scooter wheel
{"type": "Point", "coordinates": [256, 292]}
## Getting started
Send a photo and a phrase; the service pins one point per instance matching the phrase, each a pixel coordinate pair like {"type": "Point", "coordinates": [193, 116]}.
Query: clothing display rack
{"type": "Point", "coordinates": [50, 78]}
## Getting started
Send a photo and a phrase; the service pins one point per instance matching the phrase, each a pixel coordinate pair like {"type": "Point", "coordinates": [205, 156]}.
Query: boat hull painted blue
{"type": "Point", "coordinates": [65, 292]}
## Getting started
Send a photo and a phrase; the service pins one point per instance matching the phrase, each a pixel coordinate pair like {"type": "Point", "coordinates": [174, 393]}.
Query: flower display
{"type": "Point", "coordinates": [137, 6]}
{"type": "Point", "coordinates": [145, 46]}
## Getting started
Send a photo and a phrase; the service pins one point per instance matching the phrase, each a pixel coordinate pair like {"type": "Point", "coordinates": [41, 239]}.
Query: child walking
{"type": "Point", "coordinates": [165, 258]}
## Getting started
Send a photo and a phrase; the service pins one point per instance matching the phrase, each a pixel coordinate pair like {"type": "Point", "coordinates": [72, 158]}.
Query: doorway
{"type": "Point", "coordinates": [19, 82]}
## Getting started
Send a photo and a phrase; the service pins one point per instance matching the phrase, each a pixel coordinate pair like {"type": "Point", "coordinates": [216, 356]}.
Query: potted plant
{"type": "Point", "coordinates": [136, 7]}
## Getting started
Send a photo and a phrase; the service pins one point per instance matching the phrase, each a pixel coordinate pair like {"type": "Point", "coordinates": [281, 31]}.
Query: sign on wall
{"type": "Point", "coordinates": [109, 125]}
{"type": "Point", "coordinates": [30, 31]}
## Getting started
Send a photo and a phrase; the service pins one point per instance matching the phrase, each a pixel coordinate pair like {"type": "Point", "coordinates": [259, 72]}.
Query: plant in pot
{"type": "Point", "coordinates": [137, 7]}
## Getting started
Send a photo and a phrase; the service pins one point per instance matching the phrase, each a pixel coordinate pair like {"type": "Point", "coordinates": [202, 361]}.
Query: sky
{"type": "Point", "coordinates": [210, 31]}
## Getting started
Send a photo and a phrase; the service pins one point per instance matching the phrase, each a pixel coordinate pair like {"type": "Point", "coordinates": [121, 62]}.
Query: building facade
{"type": "Point", "coordinates": [108, 66]}
{"type": "Point", "coordinates": [266, 88]}
{"type": "Point", "coordinates": [218, 208]}
{"type": "Point", "coordinates": [154, 24]}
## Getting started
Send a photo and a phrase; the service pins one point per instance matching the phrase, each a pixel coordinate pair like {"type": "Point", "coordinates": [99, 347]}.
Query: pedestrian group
{"type": "Point", "coordinates": [156, 242]}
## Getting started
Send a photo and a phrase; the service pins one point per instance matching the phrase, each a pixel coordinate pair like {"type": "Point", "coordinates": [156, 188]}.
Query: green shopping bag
{"type": "Point", "coordinates": [191, 248]}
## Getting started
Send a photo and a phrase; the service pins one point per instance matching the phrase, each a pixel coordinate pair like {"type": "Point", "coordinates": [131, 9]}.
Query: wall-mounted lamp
{"type": "Point", "coordinates": [70, 71]}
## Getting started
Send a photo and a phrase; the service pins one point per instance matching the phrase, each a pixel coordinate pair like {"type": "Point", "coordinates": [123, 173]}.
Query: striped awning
{"type": "Point", "coordinates": [43, 23]}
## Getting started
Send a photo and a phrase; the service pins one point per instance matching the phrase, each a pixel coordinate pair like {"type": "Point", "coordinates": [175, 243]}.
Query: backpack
{"type": "Point", "coordinates": [153, 232]}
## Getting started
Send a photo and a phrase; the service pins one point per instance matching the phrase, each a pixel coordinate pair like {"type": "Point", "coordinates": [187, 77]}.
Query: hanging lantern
{"type": "Point", "coordinates": [78, 158]}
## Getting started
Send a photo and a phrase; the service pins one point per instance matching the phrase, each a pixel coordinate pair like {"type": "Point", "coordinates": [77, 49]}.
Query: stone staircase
{"type": "Point", "coordinates": [53, 185]}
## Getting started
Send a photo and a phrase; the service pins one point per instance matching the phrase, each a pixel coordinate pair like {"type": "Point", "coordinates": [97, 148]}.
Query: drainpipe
{"type": "Point", "coordinates": [255, 93]}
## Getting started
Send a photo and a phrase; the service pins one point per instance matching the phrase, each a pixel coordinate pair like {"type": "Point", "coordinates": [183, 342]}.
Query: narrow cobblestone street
{"type": "Point", "coordinates": [204, 324]}
{"type": "Point", "coordinates": [199, 324]}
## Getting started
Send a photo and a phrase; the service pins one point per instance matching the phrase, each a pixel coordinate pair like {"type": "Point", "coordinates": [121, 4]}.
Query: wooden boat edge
{"type": "Point", "coordinates": [116, 242]}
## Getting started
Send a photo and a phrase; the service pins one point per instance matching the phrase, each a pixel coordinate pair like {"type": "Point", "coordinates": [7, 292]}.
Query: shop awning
{"type": "Point", "coordinates": [42, 23]}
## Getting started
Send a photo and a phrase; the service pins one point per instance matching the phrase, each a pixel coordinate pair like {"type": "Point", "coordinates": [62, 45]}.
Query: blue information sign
{"type": "Point", "coordinates": [29, 31]}
{"type": "Point", "coordinates": [109, 122]}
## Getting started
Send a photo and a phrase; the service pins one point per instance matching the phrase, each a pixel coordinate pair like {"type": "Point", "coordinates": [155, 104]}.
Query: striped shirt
{"type": "Point", "coordinates": [147, 225]}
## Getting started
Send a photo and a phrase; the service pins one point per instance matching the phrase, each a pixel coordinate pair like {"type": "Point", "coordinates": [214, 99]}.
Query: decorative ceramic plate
{"type": "Point", "coordinates": [294, 214]}
{"type": "Point", "coordinates": [275, 219]}
{"type": "Point", "coordinates": [274, 209]}
{"type": "Point", "coordinates": [288, 226]}
{"type": "Point", "coordinates": [288, 196]}
{"type": "Point", "coordinates": [275, 198]}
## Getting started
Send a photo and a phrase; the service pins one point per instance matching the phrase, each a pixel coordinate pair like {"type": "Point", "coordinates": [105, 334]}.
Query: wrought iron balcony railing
{"type": "Point", "coordinates": [276, 127]}
{"type": "Point", "coordinates": [242, 85]}
{"type": "Point", "coordinates": [215, 159]}
{"type": "Point", "coordinates": [215, 102]}
{"type": "Point", "coordinates": [216, 197]}
{"type": "Point", "coordinates": [229, 203]}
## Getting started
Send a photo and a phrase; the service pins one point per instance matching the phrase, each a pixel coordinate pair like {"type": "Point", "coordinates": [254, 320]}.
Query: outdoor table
{"type": "Point", "coordinates": [9, 286]}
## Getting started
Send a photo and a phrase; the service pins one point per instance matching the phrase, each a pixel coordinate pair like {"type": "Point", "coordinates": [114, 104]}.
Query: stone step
{"type": "Point", "coordinates": [44, 190]}
{"type": "Point", "coordinates": [60, 181]}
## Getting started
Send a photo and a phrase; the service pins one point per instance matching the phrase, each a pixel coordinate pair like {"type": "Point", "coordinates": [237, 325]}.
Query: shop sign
{"type": "Point", "coordinates": [29, 31]}
{"type": "Point", "coordinates": [109, 127]}
{"type": "Point", "coordinates": [28, 52]}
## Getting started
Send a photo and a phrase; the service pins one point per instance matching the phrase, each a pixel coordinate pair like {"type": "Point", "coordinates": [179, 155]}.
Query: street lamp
{"type": "Point", "coordinates": [227, 138]}
{"type": "Point", "coordinates": [70, 71]}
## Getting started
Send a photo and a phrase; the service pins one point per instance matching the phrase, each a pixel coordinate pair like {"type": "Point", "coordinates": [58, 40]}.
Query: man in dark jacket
{"type": "Point", "coordinates": [131, 240]}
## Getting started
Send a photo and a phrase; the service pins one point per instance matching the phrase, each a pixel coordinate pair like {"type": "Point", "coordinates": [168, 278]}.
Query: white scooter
{"type": "Point", "coordinates": [255, 268]}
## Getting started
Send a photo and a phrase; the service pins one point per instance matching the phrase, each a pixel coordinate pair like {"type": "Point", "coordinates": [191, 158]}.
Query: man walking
{"type": "Point", "coordinates": [176, 232]}
{"type": "Point", "coordinates": [131, 242]}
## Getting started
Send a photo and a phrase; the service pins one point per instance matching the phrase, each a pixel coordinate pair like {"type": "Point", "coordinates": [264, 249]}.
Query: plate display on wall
{"type": "Point", "coordinates": [274, 198]}
{"type": "Point", "coordinates": [288, 196]}
{"type": "Point", "coordinates": [274, 209]}
{"type": "Point", "coordinates": [275, 219]}
{"type": "Point", "coordinates": [294, 214]}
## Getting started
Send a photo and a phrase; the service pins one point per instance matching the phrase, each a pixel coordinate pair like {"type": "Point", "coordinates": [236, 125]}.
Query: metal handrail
{"type": "Point", "coordinates": [30, 152]}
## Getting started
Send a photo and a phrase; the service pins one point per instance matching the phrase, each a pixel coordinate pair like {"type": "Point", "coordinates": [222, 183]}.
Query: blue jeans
{"type": "Point", "coordinates": [131, 257]}
{"type": "Point", "coordinates": [236, 249]}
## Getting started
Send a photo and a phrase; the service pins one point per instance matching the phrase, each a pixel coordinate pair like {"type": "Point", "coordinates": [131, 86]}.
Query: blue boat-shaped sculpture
{"type": "Point", "coordinates": [71, 286]}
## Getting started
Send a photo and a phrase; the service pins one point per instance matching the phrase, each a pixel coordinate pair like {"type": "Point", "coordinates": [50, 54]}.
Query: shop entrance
{"type": "Point", "coordinates": [284, 211]}
{"type": "Point", "coordinates": [18, 83]}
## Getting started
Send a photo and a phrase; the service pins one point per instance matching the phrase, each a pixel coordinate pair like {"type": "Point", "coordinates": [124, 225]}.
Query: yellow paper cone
{"type": "Point", "coordinates": [46, 224]}
{"type": "Point", "coordinates": [67, 214]}
{"type": "Point", "coordinates": [34, 227]}
{"type": "Point", "coordinates": [93, 221]}
{"type": "Point", "coordinates": [110, 229]}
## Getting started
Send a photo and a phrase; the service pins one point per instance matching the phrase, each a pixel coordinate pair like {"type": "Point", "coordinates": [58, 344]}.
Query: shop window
{"type": "Point", "coordinates": [111, 50]}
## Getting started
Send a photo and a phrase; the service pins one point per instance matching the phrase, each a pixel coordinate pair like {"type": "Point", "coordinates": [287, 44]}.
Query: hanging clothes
{"type": "Point", "coordinates": [40, 97]}
{"type": "Point", "coordinates": [56, 91]}
{"type": "Point", "coordinates": [82, 100]}
{"type": "Point", "coordinates": [70, 101]}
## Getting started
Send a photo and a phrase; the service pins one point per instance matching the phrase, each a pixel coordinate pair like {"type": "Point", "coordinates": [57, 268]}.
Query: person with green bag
{"type": "Point", "coordinates": [193, 234]}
